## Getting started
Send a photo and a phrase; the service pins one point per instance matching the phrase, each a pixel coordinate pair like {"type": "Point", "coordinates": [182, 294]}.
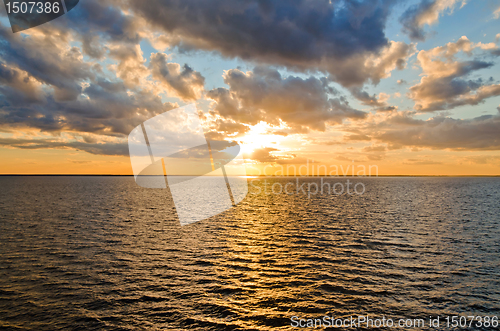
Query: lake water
{"type": "Point", "coordinates": [101, 253]}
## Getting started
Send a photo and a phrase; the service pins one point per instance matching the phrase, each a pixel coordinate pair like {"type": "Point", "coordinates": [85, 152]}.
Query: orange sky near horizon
{"type": "Point", "coordinates": [71, 162]}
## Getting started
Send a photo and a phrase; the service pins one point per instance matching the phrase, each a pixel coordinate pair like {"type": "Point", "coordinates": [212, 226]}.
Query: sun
{"type": "Point", "coordinates": [259, 137]}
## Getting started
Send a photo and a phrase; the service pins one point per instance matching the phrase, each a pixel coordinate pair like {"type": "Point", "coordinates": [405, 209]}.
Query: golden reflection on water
{"type": "Point", "coordinates": [289, 255]}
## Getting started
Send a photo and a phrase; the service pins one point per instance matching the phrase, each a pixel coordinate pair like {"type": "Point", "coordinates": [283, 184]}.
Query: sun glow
{"type": "Point", "coordinates": [259, 137]}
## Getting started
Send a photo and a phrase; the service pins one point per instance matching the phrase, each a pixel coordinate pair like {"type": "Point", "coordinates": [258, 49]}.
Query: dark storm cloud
{"type": "Point", "coordinates": [336, 36]}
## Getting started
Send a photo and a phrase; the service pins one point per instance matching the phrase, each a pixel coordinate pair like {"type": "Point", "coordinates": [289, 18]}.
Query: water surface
{"type": "Point", "coordinates": [101, 253]}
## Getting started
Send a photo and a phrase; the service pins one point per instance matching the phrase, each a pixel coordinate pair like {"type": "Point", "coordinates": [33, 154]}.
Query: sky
{"type": "Point", "coordinates": [408, 87]}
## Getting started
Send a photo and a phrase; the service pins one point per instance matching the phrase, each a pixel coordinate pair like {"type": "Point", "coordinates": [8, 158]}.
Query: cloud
{"type": "Point", "coordinates": [263, 155]}
{"type": "Point", "coordinates": [480, 133]}
{"type": "Point", "coordinates": [227, 128]}
{"type": "Point", "coordinates": [112, 149]}
{"type": "Point", "coordinates": [293, 159]}
{"type": "Point", "coordinates": [496, 13]}
{"type": "Point", "coordinates": [379, 103]}
{"type": "Point", "coordinates": [186, 83]}
{"type": "Point", "coordinates": [48, 62]}
{"type": "Point", "coordinates": [49, 81]}
{"type": "Point", "coordinates": [342, 37]}
{"type": "Point", "coordinates": [357, 137]}
{"type": "Point", "coordinates": [421, 162]}
{"type": "Point", "coordinates": [266, 155]}
{"type": "Point", "coordinates": [104, 107]}
{"type": "Point", "coordinates": [365, 98]}
{"type": "Point", "coordinates": [95, 24]}
{"type": "Point", "coordinates": [482, 159]}
{"type": "Point", "coordinates": [444, 85]}
{"type": "Point", "coordinates": [130, 67]}
{"type": "Point", "coordinates": [264, 95]}
{"type": "Point", "coordinates": [17, 85]}
{"type": "Point", "coordinates": [427, 12]}
{"type": "Point", "coordinates": [379, 148]}
{"type": "Point", "coordinates": [86, 72]}
{"type": "Point", "coordinates": [362, 68]}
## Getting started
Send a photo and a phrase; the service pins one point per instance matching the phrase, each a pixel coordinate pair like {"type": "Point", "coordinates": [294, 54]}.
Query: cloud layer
{"type": "Point", "coordinates": [264, 95]}
{"type": "Point", "coordinates": [342, 37]}
{"type": "Point", "coordinates": [480, 133]}
{"type": "Point", "coordinates": [88, 73]}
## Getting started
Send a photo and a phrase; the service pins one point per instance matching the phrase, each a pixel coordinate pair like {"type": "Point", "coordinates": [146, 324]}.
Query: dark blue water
{"type": "Point", "coordinates": [101, 253]}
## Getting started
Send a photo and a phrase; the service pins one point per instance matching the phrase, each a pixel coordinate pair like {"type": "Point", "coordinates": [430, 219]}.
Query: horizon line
{"type": "Point", "coordinates": [256, 176]}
